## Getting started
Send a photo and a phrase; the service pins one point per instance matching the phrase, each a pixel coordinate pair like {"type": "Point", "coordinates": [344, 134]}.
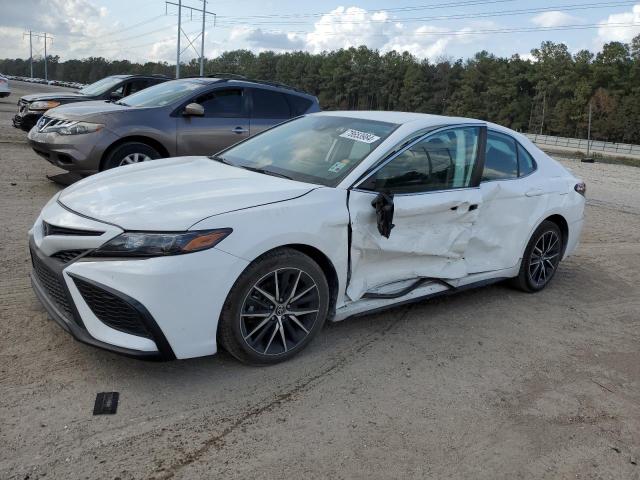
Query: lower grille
{"type": "Point", "coordinates": [112, 310]}
{"type": "Point", "coordinates": [52, 284]}
{"type": "Point", "coordinates": [65, 256]}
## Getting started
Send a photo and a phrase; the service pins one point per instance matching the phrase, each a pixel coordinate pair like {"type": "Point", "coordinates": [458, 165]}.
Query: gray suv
{"type": "Point", "coordinates": [191, 116]}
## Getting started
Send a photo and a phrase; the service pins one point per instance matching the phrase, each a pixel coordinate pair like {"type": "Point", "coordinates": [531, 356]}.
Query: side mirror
{"type": "Point", "coordinates": [193, 109]}
{"type": "Point", "coordinates": [383, 203]}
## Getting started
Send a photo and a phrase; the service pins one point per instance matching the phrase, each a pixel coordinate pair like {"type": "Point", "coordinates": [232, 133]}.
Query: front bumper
{"type": "Point", "coordinates": [59, 304]}
{"type": "Point", "coordinates": [26, 121]}
{"type": "Point", "coordinates": [74, 153]}
{"type": "Point", "coordinates": [176, 300]}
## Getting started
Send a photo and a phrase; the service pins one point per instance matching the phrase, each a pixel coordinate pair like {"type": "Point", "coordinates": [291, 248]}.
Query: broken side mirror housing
{"type": "Point", "coordinates": [383, 203]}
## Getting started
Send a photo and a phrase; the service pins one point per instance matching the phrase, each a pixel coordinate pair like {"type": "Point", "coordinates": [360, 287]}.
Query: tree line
{"type": "Point", "coordinates": [549, 93]}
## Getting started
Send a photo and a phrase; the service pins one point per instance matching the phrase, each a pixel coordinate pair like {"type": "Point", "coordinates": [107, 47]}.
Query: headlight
{"type": "Point", "coordinates": [77, 128]}
{"type": "Point", "coordinates": [147, 244]}
{"type": "Point", "coordinates": [67, 127]}
{"type": "Point", "coordinates": [43, 105]}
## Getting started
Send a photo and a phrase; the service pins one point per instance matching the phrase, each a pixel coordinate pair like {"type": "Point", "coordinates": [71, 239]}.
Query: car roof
{"type": "Point", "coordinates": [140, 75]}
{"type": "Point", "coordinates": [265, 84]}
{"type": "Point", "coordinates": [418, 120]}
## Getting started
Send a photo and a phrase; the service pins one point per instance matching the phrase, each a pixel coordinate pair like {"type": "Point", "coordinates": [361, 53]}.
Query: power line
{"type": "Point", "coordinates": [563, 8]}
{"type": "Point", "coordinates": [502, 30]}
{"type": "Point", "coordinates": [464, 3]}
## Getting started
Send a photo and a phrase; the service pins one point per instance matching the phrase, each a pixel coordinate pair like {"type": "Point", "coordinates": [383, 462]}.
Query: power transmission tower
{"type": "Point", "coordinates": [181, 32]}
{"type": "Point", "coordinates": [46, 39]}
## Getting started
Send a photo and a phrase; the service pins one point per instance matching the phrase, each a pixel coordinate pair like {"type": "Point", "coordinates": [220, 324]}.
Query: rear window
{"type": "Point", "coordinates": [299, 105]}
{"type": "Point", "coordinates": [269, 104]}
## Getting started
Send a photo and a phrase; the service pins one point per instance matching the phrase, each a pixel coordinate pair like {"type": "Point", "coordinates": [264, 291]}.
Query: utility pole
{"type": "Point", "coordinates": [204, 7]}
{"type": "Point", "coordinates": [30, 52]}
{"type": "Point", "coordinates": [182, 32]}
{"type": "Point", "coordinates": [179, 30]}
{"type": "Point", "coordinates": [544, 104]}
{"type": "Point", "coordinates": [589, 133]}
{"type": "Point", "coordinates": [45, 57]}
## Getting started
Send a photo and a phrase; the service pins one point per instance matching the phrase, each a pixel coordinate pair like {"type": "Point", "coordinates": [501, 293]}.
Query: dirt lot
{"type": "Point", "coordinates": [487, 384]}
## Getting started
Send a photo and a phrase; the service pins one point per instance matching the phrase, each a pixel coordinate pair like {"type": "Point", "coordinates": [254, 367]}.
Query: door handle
{"type": "Point", "coordinates": [534, 192]}
{"type": "Point", "coordinates": [471, 208]}
{"type": "Point", "coordinates": [240, 130]}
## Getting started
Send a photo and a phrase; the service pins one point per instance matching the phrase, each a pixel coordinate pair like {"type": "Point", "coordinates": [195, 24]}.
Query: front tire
{"type": "Point", "coordinates": [541, 258]}
{"type": "Point", "coordinates": [275, 308]}
{"type": "Point", "coordinates": [130, 153]}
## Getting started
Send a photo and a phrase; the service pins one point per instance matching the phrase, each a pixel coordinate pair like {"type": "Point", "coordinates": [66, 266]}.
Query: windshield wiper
{"type": "Point", "coordinates": [220, 159]}
{"type": "Point", "coordinates": [266, 172]}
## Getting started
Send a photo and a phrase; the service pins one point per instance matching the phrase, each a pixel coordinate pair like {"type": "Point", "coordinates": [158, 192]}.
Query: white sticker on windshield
{"type": "Point", "coordinates": [359, 136]}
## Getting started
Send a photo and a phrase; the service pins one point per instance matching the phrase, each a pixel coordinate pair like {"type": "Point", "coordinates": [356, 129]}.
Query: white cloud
{"type": "Point", "coordinates": [346, 27]}
{"type": "Point", "coordinates": [553, 18]}
{"type": "Point", "coordinates": [610, 29]}
{"type": "Point", "coordinates": [266, 40]}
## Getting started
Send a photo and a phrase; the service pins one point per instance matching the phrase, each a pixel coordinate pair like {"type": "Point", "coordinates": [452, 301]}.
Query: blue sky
{"type": "Point", "coordinates": [139, 29]}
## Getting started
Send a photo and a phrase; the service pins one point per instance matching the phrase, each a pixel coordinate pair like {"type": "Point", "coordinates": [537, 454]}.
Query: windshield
{"type": "Point", "coordinates": [318, 149]}
{"type": "Point", "coordinates": [101, 86]}
{"type": "Point", "coordinates": [162, 94]}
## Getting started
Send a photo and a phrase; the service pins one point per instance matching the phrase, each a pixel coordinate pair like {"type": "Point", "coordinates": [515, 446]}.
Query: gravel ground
{"type": "Point", "coordinates": [486, 384]}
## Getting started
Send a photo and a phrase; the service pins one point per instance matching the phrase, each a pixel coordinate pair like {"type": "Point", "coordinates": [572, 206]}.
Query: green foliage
{"type": "Point", "coordinates": [514, 92]}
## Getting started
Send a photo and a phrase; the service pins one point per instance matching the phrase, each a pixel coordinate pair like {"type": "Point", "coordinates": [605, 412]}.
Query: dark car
{"type": "Point", "coordinates": [115, 87]}
{"type": "Point", "coordinates": [190, 116]}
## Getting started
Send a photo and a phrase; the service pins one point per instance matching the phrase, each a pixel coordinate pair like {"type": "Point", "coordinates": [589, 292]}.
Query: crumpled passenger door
{"type": "Point", "coordinates": [435, 205]}
{"type": "Point", "coordinates": [429, 238]}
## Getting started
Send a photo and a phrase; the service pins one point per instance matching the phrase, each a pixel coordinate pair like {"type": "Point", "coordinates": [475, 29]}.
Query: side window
{"type": "Point", "coordinates": [118, 91]}
{"type": "Point", "coordinates": [442, 161]}
{"type": "Point", "coordinates": [222, 103]}
{"type": "Point", "coordinates": [527, 163]}
{"type": "Point", "coordinates": [136, 85]}
{"type": "Point", "coordinates": [269, 104]}
{"type": "Point", "coordinates": [299, 105]}
{"type": "Point", "coordinates": [501, 160]}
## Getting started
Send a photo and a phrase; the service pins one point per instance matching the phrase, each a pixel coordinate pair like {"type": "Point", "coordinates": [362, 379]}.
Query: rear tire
{"type": "Point", "coordinates": [540, 259]}
{"type": "Point", "coordinates": [130, 153]}
{"type": "Point", "coordinates": [262, 324]}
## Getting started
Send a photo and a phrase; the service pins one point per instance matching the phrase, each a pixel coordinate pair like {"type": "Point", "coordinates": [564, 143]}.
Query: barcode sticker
{"type": "Point", "coordinates": [359, 136]}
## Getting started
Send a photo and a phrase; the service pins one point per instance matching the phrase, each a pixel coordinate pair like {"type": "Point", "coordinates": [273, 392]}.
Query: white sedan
{"type": "Point", "coordinates": [323, 217]}
{"type": "Point", "coordinates": [5, 89]}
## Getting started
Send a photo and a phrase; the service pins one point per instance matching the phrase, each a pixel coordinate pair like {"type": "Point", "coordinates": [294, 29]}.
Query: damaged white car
{"type": "Point", "coordinates": [323, 217]}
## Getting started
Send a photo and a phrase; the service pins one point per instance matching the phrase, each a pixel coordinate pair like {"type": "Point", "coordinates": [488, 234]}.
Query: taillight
{"type": "Point", "coordinates": [581, 188]}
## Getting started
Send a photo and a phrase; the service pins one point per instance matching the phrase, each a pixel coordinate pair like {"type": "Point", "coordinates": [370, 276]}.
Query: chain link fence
{"type": "Point", "coordinates": [581, 144]}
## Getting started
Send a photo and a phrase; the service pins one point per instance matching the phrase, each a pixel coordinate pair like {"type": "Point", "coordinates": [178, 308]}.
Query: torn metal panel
{"type": "Point", "coordinates": [430, 238]}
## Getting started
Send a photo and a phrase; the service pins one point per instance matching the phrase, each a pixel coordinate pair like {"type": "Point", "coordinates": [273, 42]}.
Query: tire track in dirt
{"type": "Point", "coordinates": [252, 415]}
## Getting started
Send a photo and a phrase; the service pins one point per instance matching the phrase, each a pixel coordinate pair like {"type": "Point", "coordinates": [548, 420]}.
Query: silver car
{"type": "Point", "coordinates": [191, 116]}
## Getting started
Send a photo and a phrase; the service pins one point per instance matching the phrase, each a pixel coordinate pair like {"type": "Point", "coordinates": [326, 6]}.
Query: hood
{"type": "Point", "coordinates": [60, 96]}
{"type": "Point", "coordinates": [84, 110]}
{"type": "Point", "coordinates": [175, 193]}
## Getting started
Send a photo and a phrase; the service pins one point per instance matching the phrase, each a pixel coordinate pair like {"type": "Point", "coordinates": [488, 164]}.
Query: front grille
{"type": "Point", "coordinates": [112, 310]}
{"type": "Point", "coordinates": [52, 284]}
{"type": "Point", "coordinates": [48, 229]}
{"type": "Point", "coordinates": [65, 256]}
